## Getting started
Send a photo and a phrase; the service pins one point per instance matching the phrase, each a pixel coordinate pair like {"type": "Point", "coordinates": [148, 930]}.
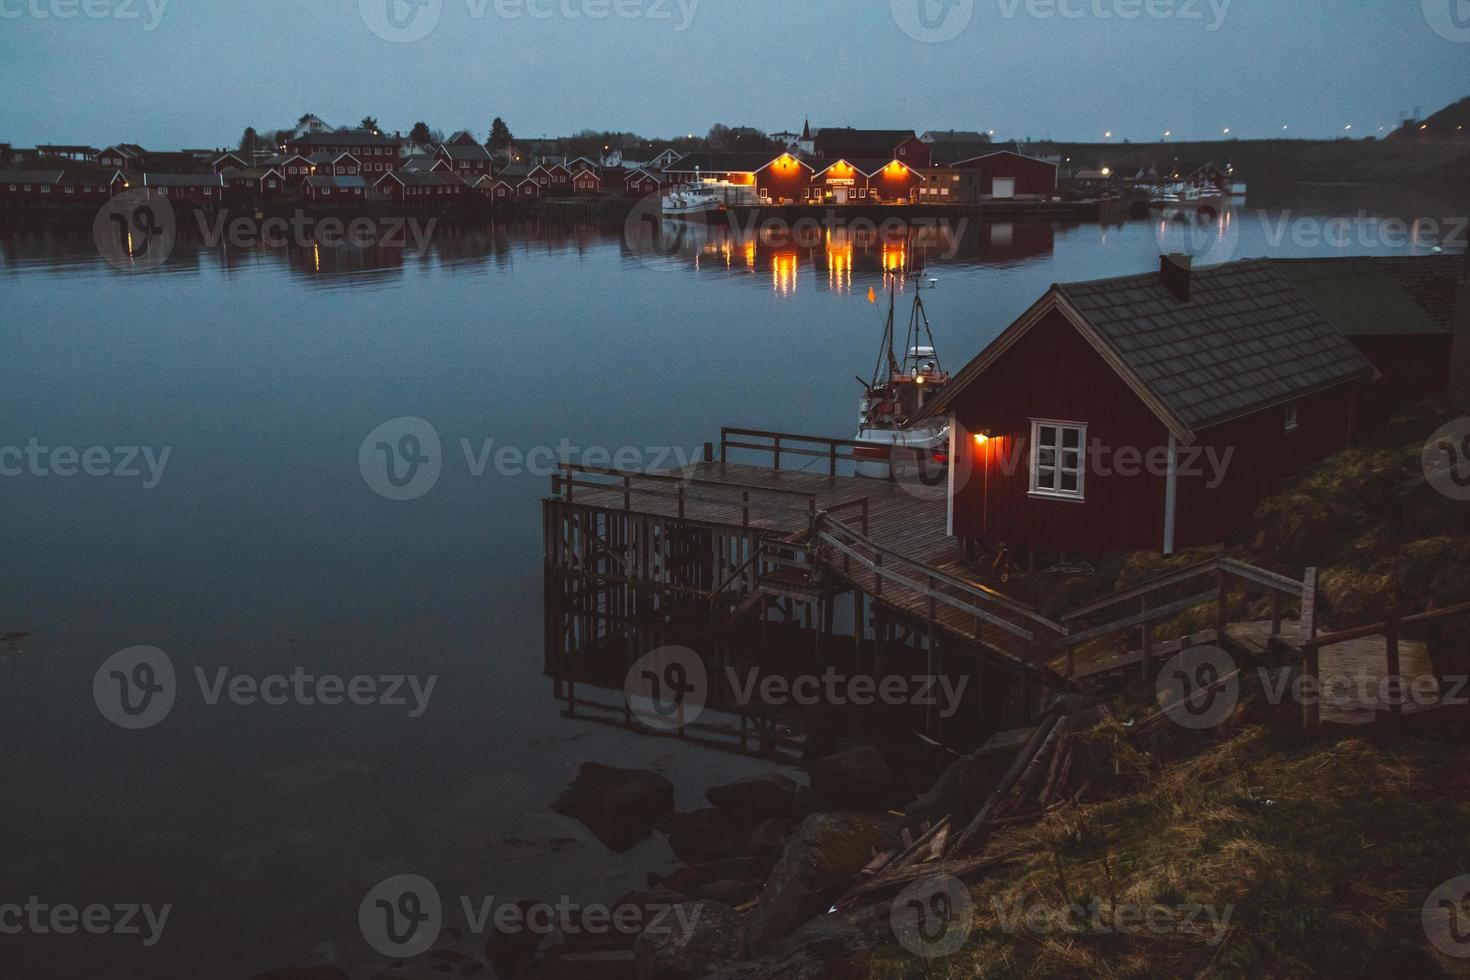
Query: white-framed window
{"type": "Point", "coordinates": [45, 188]}
{"type": "Point", "coordinates": [70, 189]}
{"type": "Point", "coordinates": [1291, 416]}
{"type": "Point", "coordinates": [209, 192]}
{"type": "Point", "coordinates": [1058, 455]}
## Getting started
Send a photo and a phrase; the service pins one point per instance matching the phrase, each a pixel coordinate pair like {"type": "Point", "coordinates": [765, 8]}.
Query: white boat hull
{"type": "Point", "coordinates": [906, 454]}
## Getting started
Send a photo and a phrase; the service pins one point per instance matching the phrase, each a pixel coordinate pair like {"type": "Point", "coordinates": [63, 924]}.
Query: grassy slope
{"type": "Point", "coordinates": [1326, 850]}
{"type": "Point", "coordinates": [1326, 853]}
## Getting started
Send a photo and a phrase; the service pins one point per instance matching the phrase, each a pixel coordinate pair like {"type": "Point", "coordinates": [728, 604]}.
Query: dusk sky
{"type": "Point", "coordinates": [172, 73]}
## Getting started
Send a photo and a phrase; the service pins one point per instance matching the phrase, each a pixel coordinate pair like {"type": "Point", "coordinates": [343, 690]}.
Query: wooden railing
{"type": "Point", "coordinates": [1153, 606]}
{"type": "Point", "coordinates": [747, 499]}
{"type": "Point", "coordinates": [1391, 631]}
{"type": "Point", "coordinates": [786, 445]}
{"type": "Point", "coordinates": [933, 588]}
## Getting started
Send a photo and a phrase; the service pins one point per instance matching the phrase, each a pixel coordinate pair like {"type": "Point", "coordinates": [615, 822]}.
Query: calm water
{"type": "Point", "coordinates": [262, 548]}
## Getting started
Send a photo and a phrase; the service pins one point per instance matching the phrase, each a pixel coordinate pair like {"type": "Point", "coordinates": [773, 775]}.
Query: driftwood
{"type": "Point", "coordinates": [970, 839]}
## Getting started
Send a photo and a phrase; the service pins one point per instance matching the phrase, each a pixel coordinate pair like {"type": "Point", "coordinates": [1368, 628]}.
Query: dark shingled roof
{"type": "Point", "coordinates": [722, 162]}
{"type": "Point", "coordinates": [458, 151]}
{"type": "Point", "coordinates": [1433, 281]}
{"type": "Point", "coordinates": [1247, 339]}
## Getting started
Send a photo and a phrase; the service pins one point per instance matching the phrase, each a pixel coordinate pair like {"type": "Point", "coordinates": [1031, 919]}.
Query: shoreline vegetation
{"type": "Point", "coordinates": [1143, 848]}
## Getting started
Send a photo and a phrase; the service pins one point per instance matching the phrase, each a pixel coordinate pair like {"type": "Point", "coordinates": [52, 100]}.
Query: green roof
{"type": "Point", "coordinates": [1358, 296]}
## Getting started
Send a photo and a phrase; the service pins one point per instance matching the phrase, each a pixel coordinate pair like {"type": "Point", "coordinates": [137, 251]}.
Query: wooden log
{"type": "Point", "coordinates": [973, 835]}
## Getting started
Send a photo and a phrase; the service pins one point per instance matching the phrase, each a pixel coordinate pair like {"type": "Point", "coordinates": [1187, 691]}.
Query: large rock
{"type": "Point", "coordinates": [818, 865]}
{"type": "Point", "coordinates": [732, 892]}
{"type": "Point", "coordinates": [836, 945]}
{"type": "Point", "coordinates": [737, 868]}
{"type": "Point", "coordinates": [619, 806]}
{"type": "Point", "coordinates": [516, 943]}
{"type": "Point", "coordinates": [702, 835]}
{"type": "Point", "coordinates": [692, 940]}
{"type": "Point", "coordinates": [767, 839]}
{"type": "Point", "coordinates": [595, 965]}
{"type": "Point", "coordinates": [651, 903]}
{"type": "Point", "coordinates": [856, 777]}
{"type": "Point", "coordinates": [769, 794]}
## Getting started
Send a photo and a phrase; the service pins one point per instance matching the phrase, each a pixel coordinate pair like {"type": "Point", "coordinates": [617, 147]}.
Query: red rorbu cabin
{"type": "Point", "coordinates": [1148, 412]}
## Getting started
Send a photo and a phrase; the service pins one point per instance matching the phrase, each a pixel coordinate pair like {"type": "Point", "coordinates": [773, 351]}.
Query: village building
{"type": "Point", "coordinates": [1148, 412]}
{"type": "Point", "coordinates": [419, 189]}
{"type": "Point", "coordinates": [784, 180]}
{"type": "Point", "coordinates": [254, 185]}
{"type": "Point", "coordinates": [586, 181]}
{"type": "Point", "coordinates": [1004, 175]}
{"type": "Point", "coordinates": [229, 161]}
{"type": "Point", "coordinates": [551, 179]}
{"type": "Point", "coordinates": [199, 189]}
{"type": "Point", "coordinates": [1209, 175]}
{"type": "Point", "coordinates": [376, 154]}
{"type": "Point", "coordinates": [886, 144]}
{"type": "Point", "coordinates": [293, 167]}
{"type": "Point", "coordinates": [468, 160]}
{"type": "Point", "coordinates": [91, 184]}
{"type": "Point", "coordinates": [1399, 312]}
{"type": "Point", "coordinates": [642, 182]}
{"type": "Point", "coordinates": [333, 188]}
{"type": "Point", "coordinates": [839, 182]}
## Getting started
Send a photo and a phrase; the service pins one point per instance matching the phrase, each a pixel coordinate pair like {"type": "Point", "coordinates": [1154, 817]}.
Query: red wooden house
{"type": "Point", "coordinates": [1004, 174]}
{"type": "Point", "coordinates": [1209, 175]}
{"type": "Point", "coordinates": [377, 154]}
{"type": "Point", "coordinates": [641, 183]}
{"type": "Point", "coordinates": [552, 179]}
{"type": "Point", "coordinates": [586, 182]}
{"type": "Point", "coordinates": [866, 144]}
{"type": "Point", "coordinates": [784, 180]}
{"type": "Point", "coordinates": [895, 182]}
{"type": "Point", "coordinates": [1399, 312]}
{"type": "Point", "coordinates": [419, 189]}
{"type": "Point", "coordinates": [201, 189]}
{"type": "Point", "coordinates": [229, 161]}
{"type": "Point", "coordinates": [91, 185]}
{"type": "Point", "coordinates": [468, 160]}
{"type": "Point", "coordinates": [839, 182]}
{"type": "Point", "coordinates": [332, 189]}
{"type": "Point", "coordinates": [1148, 412]}
{"type": "Point", "coordinates": [293, 167]}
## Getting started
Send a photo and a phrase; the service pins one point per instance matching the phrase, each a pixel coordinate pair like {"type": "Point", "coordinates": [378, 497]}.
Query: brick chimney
{"type": "Point", "coordinates": [1460, 344]}
{"type": "Point", "coordinates": [1175, 270]}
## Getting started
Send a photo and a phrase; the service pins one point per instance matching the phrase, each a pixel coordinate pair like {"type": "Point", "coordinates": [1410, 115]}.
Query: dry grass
{"type": "Point", "coordinates": [1322, 854]}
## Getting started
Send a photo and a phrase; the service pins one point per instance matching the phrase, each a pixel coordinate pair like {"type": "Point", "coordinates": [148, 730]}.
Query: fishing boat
{"type": "Point", "coordinates": [895, 446]}
{"type": "Point", "coordinates": [690, 200]}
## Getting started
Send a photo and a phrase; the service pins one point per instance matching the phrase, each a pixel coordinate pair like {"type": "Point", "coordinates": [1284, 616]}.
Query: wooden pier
{"type": "Point", "coordinates": [735, 542]}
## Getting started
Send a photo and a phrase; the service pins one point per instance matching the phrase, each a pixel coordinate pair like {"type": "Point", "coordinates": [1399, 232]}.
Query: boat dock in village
{"type": "Point", "coordinates": [785, 537]}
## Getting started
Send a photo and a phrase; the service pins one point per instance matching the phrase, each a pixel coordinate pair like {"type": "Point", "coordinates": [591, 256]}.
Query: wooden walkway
{"type": "Point", "coordinates": [808, 533]}
{"type": "Point", "coordinates": [781, 501]}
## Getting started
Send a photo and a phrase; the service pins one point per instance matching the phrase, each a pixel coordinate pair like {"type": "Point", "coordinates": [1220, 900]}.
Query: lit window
{"type": "Point", "coordinates": [1291, 416]}
{"type": "Point", "coordinates": [1056, 459]}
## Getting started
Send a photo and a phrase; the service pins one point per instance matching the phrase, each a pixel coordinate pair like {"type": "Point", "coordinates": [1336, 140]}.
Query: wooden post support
{"type": "Point", "coordinates": [709, 452]}
{"type": "Point", "coordinates": [1309, 605]}
{"type": "Point", "coordinates": [1146, 651]}
{"type": "Point", "coordinates": [1222, 605]}
{"type": "Point", "coordinates": [832, 459]}
{"type": "Point", "coordinates": [1391, 639]}
{"type": "Point", "coordinates": [776, 455]}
